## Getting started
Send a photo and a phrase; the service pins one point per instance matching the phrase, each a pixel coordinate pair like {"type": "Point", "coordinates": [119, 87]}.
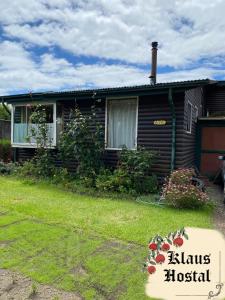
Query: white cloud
{"type": "Point", "coordinates": [19, 72]}
{"type": "Point", "coordinates": [187, 31]}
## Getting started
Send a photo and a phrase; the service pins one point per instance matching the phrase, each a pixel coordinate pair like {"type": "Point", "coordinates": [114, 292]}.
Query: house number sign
{"type": "Point", "coordinates": [160, 122]}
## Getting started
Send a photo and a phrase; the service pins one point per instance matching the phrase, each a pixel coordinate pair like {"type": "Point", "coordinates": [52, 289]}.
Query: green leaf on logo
{"type": "Point", "coordinates": [186, 236]}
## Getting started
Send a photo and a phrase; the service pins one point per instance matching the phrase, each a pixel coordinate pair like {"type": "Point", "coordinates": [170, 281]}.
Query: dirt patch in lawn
{"type": "Point", "coordinates": [115, 246]}
{"type": "Point", "coordinates": [14, 286]}
{"type": "Point", "coordinates": [79, 270]}
{"type": "Point", "coordinates": [216, 194]}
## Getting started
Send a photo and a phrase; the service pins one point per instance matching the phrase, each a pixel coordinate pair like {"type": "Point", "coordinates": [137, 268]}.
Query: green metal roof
{"type": "Point", "coordinates": [147, 89]}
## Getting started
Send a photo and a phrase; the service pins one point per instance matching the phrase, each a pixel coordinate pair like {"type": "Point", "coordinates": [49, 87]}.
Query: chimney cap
{"type": "Point", "coordinates": [154, 44]}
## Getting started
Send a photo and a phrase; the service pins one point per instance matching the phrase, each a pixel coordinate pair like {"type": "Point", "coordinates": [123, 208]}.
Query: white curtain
{"type": "Point", "coordinates": [122, 123]}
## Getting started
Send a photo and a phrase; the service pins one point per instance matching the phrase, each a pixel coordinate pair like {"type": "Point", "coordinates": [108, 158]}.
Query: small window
{"type": "Point", "coordinates": [189, 118]}
{"type": "Point", "coordinates": [121, 123]}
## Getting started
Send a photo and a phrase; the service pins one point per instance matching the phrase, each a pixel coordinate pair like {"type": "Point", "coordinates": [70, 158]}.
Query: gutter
{"type": "Point", "coordinates": [173, 149]}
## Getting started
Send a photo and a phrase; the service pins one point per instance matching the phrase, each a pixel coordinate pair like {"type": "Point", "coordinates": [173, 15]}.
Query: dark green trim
{"type": "Point", "coordinates": [198, 145]}
{"type": "Point", "coordinates": [173, 148]}
{"type": "Point", "coordinates": [213, 151]}
{"type": "Point", "coordinates": [206, 123]}
{"type": "Point", "coordinates": [211, 123]}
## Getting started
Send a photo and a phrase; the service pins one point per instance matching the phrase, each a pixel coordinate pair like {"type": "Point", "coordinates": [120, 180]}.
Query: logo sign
{"type": "Point", "coordinates": [159, 122]}
{"type": "Point", "coordinates": [186, 264]}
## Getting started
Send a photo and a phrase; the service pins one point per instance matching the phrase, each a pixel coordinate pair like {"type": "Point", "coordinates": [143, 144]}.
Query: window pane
{"type": "Point", "coordinates": [47, 108]}
{"type": "Point", "coordinates": [20, 125]}
{"type": "Point", "coordinates": [122, 123]}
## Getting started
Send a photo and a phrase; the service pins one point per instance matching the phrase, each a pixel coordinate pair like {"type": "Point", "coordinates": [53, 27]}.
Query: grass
{"type": "Point", "coordinates": [94, 246]}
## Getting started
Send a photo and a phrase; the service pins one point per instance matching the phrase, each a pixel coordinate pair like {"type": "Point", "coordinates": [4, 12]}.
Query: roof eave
{"type": "Point", "coordinates": [142, 90]}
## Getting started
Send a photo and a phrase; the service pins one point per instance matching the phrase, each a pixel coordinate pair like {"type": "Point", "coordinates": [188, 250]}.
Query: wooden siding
{"type": "Point", "coordinates": [5, 129]}
{"type": "Point", "coordinates": [195, 97]}
{"type": "Point", "coordinates": [153, 137]}
{"type": "Point", "coordinates": [157, 138]}
{"type": "Point", "coordinates": [215, 100]}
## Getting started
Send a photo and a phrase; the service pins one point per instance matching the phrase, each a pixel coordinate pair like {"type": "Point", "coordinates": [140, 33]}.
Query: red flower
{"type": "Point", "coordinates": [160, 258]}
{"type": "Point", "coordinates": [178, 242]}
{"type": "Point", "coordinates": [165, 247]}
{"type": "Point", "coordinates": [151, 269]}
{"type": "Point", "coordinates": [152, 246]}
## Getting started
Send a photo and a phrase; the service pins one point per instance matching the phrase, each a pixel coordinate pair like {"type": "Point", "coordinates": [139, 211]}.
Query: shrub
{"type": "Point", "coordinates": [117, 181]}
{"type": "Point", "coordinates": [42, 164]}
{"type": "Point", "coordinates": [61, 175]}
{"type": "Point", "coordinates": [7, 168]}
{"type": "Point", "coordinates": [4, 114]}
{"type": "Point", "coordinates": [137, 165]}
{"type": "Point", "coordinates": [39, 166]}
{"type": "Point", "coordinates": [133, 174]}
{"type": "Point", "coordinates": [148, 184]}
{"type": "Point", "coordinates": [182, 176]}
{"type": "Point", "coordinates": [180, 193]}
{"type": "Point", "coordinates": [83, 141]}
{"type": "Point", "coordinates": [5, 150]}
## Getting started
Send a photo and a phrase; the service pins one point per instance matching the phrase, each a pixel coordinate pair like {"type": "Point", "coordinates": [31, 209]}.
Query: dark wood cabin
{"type": "Point", "coordinates": [161, 117]}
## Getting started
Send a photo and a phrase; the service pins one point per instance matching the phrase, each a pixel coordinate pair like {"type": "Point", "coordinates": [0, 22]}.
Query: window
{"type": "Point", "coordinates": [121, 123]}
{"type": "Point", "coordinates": [189, 117]}
{"type": "Point", "coordinates": [21, 124]}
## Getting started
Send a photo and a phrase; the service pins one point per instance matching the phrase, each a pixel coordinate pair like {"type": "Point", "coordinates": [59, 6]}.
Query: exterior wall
{"type": "Point", "coordinates": [151, 136]}
{"type": "Point", "coordinates": [195, 97]}
{"type": "Point", "coordinates": [5, 129]}
{"type": "Point", "coordinates": [156, 137]}
{"type": "Point", "coordinates": [215, 100]}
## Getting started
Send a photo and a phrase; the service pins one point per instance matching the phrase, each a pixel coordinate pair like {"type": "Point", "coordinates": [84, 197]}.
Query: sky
{"type": "Point", "coordinates": [55, 45]}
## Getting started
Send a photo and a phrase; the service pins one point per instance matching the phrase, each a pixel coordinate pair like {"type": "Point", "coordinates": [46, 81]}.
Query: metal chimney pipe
{"type": "Point", "coordinates": [154, 63]}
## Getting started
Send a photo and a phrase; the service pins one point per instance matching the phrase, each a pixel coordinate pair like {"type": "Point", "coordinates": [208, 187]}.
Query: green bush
{"type": "Point", "coordinates": [7, 168]}
{"type": "Point", "coordinates": [83, 140]}
{"type": "Point", "coordinates": [39, 167]}
{"type": "Point", "coordinates": [5, 150]}
{"type": "Point", "coordinates": [117, 181]}
{"type": "Point", "coordinates": [42, 164]}
{"type": "Point", "coordinates": [182, 176]}
{"type": "Point", "coordinates": [132, 175]}
{"type": "Point", "coordinates": [4, 115]}
{"type": "Point", "coordinates": [180, 193]}
{"type": "Point", "coordinates": [61, 175]}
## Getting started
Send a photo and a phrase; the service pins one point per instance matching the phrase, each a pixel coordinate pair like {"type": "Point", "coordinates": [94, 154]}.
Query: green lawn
{"type": "Point", "coordinates": [94, 246]}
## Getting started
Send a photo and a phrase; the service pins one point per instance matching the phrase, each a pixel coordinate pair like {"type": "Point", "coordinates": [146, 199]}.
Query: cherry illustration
{"type": "Point", "coordinates": [165, 247]}
{"type": "Point", "coordinates": [152, 246]}
{"type": "Point", "coordinates": [151, 269]}
{"type": "Point", "coordinates": [178, 242]}
{"type": "Point", "coordinates": [160, 258]}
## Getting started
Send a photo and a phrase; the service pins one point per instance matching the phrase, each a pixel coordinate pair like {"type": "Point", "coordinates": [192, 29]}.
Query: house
{"type": "Point", "coordinates": [164, 117]}
{"type": "Point", "coordinates": [176, 119]}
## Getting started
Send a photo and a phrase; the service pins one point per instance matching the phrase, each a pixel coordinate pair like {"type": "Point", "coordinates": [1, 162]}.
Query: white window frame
{"type": "Point", "coordinates": [191, 117]}
{"type": "Point", "coordinates": [32, 145]}
{"type": "Point", "coordinates": [106, 119]}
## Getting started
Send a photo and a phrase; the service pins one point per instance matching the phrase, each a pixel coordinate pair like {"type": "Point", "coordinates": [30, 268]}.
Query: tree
{"type": "Point", "coordinates": [4, 112]}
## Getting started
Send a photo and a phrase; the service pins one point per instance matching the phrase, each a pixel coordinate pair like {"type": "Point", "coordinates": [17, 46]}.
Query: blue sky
{"type": "Point", "coordinates": [51, 45]}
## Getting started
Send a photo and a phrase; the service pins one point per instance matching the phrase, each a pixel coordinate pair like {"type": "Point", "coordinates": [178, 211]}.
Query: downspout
{"type": "Point", "coordinates": [173, 148]}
